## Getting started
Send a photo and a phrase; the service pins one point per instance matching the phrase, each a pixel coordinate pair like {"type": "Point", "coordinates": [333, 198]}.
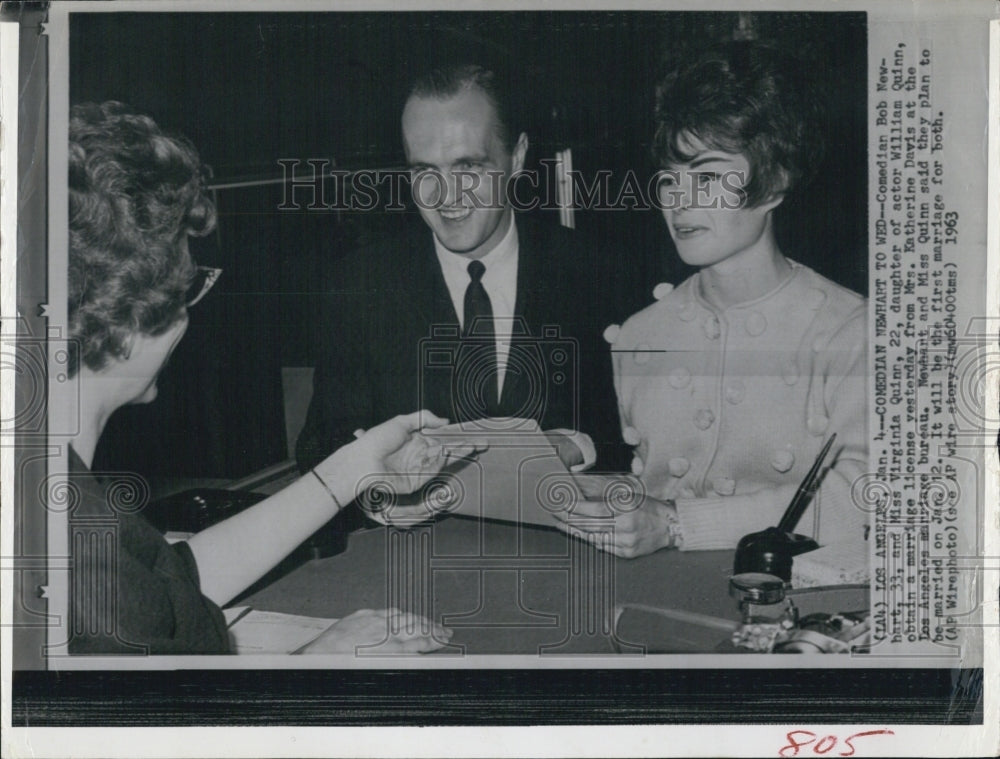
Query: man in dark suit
{"type": "Point", "coordinates": [488, 313]}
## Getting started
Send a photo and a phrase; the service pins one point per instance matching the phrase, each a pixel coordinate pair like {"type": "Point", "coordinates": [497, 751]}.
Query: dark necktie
{"type": "Point", "coordinates": [480, 336]}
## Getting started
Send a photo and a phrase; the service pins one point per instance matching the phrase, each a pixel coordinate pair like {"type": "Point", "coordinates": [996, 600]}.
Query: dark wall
{"type": "Point", "coordinates": [251, 88]}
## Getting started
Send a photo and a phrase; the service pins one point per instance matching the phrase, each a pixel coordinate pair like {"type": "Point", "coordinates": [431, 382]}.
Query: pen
{"type": "Point", "coordinates": [246, 610]}
{"type": "Point", "coordinates": [806, 491]}
{"type": "Point", "coordinates": [302, 649]}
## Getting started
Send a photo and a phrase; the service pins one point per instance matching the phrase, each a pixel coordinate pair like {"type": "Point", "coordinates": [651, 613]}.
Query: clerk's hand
{"type": "Point", "coordinates": [619, 518]}
{"type": "Point", "coordinates": [397, 448]}
{"type": "Point", "coordinates": [387, 631]}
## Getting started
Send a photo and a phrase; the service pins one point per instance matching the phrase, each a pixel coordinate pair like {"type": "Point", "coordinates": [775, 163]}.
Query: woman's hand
{"type": "Point", "coordinates": [382, 631]}
{"type": "Point", "coordinates": [619, 518]}
{"type": "Point", "coordinates": [397, 448]}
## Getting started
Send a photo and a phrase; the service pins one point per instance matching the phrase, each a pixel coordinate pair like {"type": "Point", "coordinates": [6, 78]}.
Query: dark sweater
{"type": "Point", "coordinates": [119, 555]}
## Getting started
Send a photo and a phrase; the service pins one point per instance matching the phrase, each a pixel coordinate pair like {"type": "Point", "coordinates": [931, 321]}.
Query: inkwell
{"type": "Point", "coordinates": [771, 551]}
{"type": "Point", "coordinates": [762, 569]}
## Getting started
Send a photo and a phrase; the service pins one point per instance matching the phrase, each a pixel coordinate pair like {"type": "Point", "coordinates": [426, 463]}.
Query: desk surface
{"type": "Point", "coordinates": [504, 588]}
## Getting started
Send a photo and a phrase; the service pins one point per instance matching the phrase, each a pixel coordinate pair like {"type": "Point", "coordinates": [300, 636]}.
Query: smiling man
{"type": "Point", "coordinates": [462, 156]}
{"type": "Point", "coordinates": [478, 312]}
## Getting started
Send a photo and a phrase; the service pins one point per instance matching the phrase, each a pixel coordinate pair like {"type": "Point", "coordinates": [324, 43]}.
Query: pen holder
{"type": "Point", "coordinates": [771, 551]}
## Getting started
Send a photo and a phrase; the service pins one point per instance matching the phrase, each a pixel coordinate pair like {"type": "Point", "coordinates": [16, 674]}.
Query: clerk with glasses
{"type": "Point", "coordinates": [135, 194]}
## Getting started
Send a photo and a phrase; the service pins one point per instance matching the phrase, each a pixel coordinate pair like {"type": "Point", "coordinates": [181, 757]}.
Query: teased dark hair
{"type": "Point", "coordinates": [448, 81]}
{"type": "Point", "coordinates": [134, 193]}
{"type": "Point", "coordinates": [743, 97]}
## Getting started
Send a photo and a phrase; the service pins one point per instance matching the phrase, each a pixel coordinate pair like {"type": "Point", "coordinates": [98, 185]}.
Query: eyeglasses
{"type": "Point", "coordinates": [204, 278]}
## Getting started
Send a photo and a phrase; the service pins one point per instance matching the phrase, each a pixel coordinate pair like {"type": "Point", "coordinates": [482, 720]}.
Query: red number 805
{"type": "Point", "coordinates": [801, 738]}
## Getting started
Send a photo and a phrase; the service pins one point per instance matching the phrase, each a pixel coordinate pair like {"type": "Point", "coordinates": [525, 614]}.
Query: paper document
{"type": "Point", "coordinates": [271, 632]}
{"type": "Point", "coordinates": [518, 478]}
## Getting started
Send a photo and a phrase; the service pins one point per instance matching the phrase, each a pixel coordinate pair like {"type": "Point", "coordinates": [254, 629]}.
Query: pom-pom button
{"type": "Point", "coordinates": [679, 466]}
{"type": "Point", "coordinates": [724, 485]}
{"type": "Point", "coordinates": [679, 377]}
{"type": "Point", "coordinates": [755, 324]}
{"type": "Point", "coordinates": [704, 418]}
{"type": "Point", "coordinates": [817, 423]}
{"type": "Point", "coordinates": [662, 290]}
{"type": "Point", "coordinates": [735, 391]}
{"type": "Point", "coordinates": [782, 460]}
{"type": "Point", "coordinates": [815, 298]}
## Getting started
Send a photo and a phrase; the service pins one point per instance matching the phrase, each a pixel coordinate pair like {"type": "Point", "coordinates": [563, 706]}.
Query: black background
{"type": "Point", "coordinates": [252, 88]}
{"type": "Point", "coordinates": [871, 697]}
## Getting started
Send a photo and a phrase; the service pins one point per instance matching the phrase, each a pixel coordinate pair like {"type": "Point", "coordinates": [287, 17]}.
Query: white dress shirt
{"type": "Point", "coordinates": [500, 281]}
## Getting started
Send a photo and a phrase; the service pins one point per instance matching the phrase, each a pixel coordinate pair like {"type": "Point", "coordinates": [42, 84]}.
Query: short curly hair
{"type": "Point", "coordinates": [743, 97]}
{"type": "Point", "coordinates": [134, 193]}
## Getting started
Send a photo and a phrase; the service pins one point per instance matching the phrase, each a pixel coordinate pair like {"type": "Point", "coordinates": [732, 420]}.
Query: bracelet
{"type": "Point", "coordinates": [676, 536]}
{"type": "Point", "coordinates": [674, 530]}
{"type": "Point", "coordinates": [327, 489]}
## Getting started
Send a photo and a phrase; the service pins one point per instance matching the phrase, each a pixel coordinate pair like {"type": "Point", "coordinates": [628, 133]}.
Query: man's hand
{"type": "Point", "coordinates": [397, 448]}
{"type": "Point", "coordinates": [389, 631]}
{"type": "Point", "coordinates": [618, 517]}
{"type": "Point", "coordinates": [569, 452]}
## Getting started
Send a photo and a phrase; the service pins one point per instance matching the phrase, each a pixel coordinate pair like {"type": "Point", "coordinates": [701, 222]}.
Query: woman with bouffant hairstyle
{"type": "Point", "coordinates": [136, 194]}
{"type": "Point", "coordinates": [747, 98]}
{"type": "Point", "coordinates": [731, 383]}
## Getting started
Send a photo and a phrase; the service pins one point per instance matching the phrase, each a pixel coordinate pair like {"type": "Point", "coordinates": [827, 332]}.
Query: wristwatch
{"type": "Point", "coordinates": [673, 526]}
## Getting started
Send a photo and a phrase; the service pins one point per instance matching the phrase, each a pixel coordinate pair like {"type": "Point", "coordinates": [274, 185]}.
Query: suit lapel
{"type": "Point", "coordinates": [423, 305]}
{"type": "Point", "coordinates": [418, 275]}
